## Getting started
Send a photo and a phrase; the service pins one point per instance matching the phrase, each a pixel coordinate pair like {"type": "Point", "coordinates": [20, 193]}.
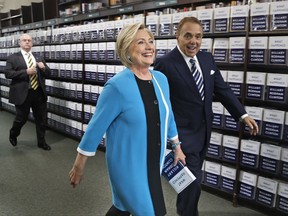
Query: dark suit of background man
{"type": "Point", "coordinates": [23, 95]}
{"type": "Point", "coordinates": [193, 114]}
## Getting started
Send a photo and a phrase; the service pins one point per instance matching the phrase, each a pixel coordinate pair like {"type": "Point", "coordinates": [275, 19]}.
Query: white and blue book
{"type": "Point", "coordinates": [178, 176]}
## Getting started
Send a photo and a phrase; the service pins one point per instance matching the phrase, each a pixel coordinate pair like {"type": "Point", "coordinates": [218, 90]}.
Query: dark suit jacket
{"type": "Point", "coordinates": [192, 115]}
{"type": "Point", "coordinates": [16, 70]}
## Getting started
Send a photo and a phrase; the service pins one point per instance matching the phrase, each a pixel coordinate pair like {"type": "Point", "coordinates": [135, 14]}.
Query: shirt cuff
{"type": "Point", "coordinates": [243, 116]}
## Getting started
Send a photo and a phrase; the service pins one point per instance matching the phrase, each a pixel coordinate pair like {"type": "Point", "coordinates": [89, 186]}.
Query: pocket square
{"type": "Point", "coordinates": [212, 72]}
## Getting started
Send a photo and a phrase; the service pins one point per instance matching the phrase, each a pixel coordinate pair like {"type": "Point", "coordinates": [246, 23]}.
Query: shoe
{"type": "Point", "coordinates": [45, 146]}
{"type": "Point", "coordinates": [13, 140]}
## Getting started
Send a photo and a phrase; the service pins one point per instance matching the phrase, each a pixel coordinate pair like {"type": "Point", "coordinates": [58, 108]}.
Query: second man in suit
{"type": "Point", "coordinates": [194, 79]}
{"type": "Point", "coordinates": [27, 72]}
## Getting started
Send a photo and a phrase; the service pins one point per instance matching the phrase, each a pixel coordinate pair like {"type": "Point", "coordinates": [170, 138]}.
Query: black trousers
{"type": "Point", "coordinates": [187, 200]}
{"type": "Point", "coordinates": [113, 211]}
{"type": "Point", "coordinates": [37, 102]}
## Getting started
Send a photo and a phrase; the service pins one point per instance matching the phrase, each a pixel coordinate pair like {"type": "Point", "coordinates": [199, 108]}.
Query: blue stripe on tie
{"type": "Point", "coordinates": [198, 78]}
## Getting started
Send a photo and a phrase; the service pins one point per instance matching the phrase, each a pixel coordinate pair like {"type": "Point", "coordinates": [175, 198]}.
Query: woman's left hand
{"type": "Point", "coordinates": [179, 155]}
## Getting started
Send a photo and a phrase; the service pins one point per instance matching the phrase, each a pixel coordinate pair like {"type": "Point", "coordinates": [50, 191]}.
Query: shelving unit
{"type": "Point", "coordinates": [71, 104]}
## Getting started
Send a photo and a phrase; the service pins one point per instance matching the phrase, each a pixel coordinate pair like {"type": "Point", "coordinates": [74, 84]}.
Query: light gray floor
{"type": "Point", "coordinates": [34, 182]}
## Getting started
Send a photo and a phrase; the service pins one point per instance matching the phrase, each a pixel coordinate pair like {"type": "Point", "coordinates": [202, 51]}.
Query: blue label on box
{"type": "Point", "coordinates": [259, 23]}
{"type": "Point", "coordinates": [255, 92]}
{"type": "Point", "coordinates": [238, 23]}
{"type": "Point", "coordinates": [272, 130]}
{"type": "Point", "coordinates": [265, 198]}
{"type": "Point", "coordinates": [248, 160]}
{"type": "Point", "coordinates": [284, 169]}
{"type": "Point", "coordinates": [217, 120]}
{"type": "Point", "coordinates": [230, 123]}
{"type": "Point", "coordinates": [101, 77]}
{"type": "Point", "coordinates": [153, 29]}
{"type": "Point", "coordinates": [160, 52]}
{"type": "Point", "coordinates": [237, 56]}
{"type": "Point", "coordinates": [214, 150]}
{"type": "Point", "coordinates": [279, 22]}
{"type": "Point", "coordinates": [220, 55]}
{"type": "Point", "coordinates": [87, 55]}
{"type": "Point", "coordinates": [247, 191]}
{"type": "Point", "coordinates": [282, 203]}
{"type": "Point", "coordinates": [277, 94]}
{"type": "Point", "coordinates": [228, 184]}
{"type": "Point", "coordinates": [229, 154]}
{"type": "Point", "coordinates": [165, 30]}
{"type": "Point", "coordinates": [268, 164]}
{"type": "Point", "coordinates": [206, 25]}
{"type": "Point", "coordinates": [94, 55]}
{"type": "Point", "coordinates": [236, 88]}
{"type": "Point", "coordinates": [277, 56]}
{"type": "Point", "coordinates": [221, 25]}
{"type": "Point", "coordinates": [285, 135]}
{"type": "Point", "coordinates": [211, 179]}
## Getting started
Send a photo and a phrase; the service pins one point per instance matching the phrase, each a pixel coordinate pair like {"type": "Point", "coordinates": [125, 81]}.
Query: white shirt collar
{"type": "Point", "coordinates": [186, 58]}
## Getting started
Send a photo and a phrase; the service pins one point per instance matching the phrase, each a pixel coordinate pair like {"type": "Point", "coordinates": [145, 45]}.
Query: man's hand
{"type": "Point", "coordinates": [254, 129]}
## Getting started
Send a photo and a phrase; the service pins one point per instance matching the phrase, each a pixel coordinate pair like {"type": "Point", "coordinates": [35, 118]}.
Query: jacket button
{"type": "Point", "coordinates": [155, 102]}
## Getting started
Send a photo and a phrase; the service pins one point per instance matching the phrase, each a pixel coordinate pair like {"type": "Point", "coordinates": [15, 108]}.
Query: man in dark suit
{"type": "Point", "coordinates": [192, 103]}
{"type": "Point", "coordinates": [27, 90]}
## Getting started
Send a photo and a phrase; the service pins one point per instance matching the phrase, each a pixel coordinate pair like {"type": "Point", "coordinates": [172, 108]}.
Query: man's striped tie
{"type": "Point", "coordinates": [198, 78]}
{"type": "Point", "coordinates": [33, 78]}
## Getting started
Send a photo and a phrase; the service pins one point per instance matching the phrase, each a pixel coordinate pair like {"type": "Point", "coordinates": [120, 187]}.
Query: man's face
{"type": "Point", "coordinates": [26, 42]}
{"type": "Point", "coordinates": [190, 38]}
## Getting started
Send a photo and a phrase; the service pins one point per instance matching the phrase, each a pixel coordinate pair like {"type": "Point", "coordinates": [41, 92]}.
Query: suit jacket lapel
{"type": "Point", "coordinates": [183, 70]}
{"type": "Point", "coordinates": [21, 59]}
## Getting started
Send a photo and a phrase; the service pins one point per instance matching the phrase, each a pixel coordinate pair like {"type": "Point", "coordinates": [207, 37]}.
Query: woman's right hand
{"type": "Point", "coordinates": [75, 176]}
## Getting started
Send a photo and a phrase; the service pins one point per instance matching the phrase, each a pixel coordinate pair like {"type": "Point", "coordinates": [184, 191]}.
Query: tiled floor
{"type": "Point", "coordinates": [34, 182]}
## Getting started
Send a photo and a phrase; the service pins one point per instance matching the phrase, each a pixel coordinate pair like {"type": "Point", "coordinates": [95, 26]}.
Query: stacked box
{"type": "Point", "coordinates": [247, 185]}
{"type": "Point", "coordinates": [228, 179]}
{"type": "Point", "coordinates": [279, 16]}
{"type": "Point", "coordinates": [258, 50]}
{"type": "Point", "coordinates": [220, 49]}
{"type": "Point", "coordinates": [218, 115]}
{"type": "Point", "coordinates": [165, 25]}
{"type": "Point", "coordinates": [221, 19]}
{"type": "Point", "coordinates": [270, 158]}
{"type": "Point", "coordinates": [285, 134]}
{"type": "Point", "coordinates": [229, 122]}
{"type": "Point", "coordinates": [215, 145]}
{"type": "Point", "coordinates": [278, 46]}
{"type": "Point", "coordinates": [266, 191]}
{"type": "Point", "coordinates": [255, 85]}
{"type": "Point", "coordinates": [282, 197]}
{"type": "Point", "coordinates": [249, 153]}
{"type": "Point", "coordinates": [212, 174]}
{"type": "Point", "coordinates": [230, 148]}
{"type": "Point", "coordinates": [239, 18]}
{"type": "Point", "coordinates": [273, 123]}
{"type": "Point", "coordinates": [284, 163]}
{"type": "Point", "coordinates": [259, 17]}
{"type": "Point", "coordinates": [206, 18]}
{"type": "Point", "coordinates": [235, 80]}
{"type": "Point", "coordinates": [277, 87]}
{"type": "Point", "coordinates": [237, 49]}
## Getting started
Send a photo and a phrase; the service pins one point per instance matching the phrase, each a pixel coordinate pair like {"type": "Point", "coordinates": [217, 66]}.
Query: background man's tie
{"type": "Point", "coordinates": [198, 78]}
{"type": "Point", "coordinates": [33, 78]}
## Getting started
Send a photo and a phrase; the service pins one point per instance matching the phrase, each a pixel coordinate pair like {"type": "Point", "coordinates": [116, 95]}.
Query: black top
{"type": "Point", "coordinates": [150, 102]}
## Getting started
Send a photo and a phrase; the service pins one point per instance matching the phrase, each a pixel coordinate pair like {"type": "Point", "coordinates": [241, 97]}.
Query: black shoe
{"type": "Point", "coordinates": [13, 140]}
{"type": "Point", "coordinates": [45, 146]}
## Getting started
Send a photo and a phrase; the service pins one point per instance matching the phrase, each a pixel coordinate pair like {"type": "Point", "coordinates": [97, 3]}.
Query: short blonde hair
{"type": "Point", "coordinates": [124, 40]}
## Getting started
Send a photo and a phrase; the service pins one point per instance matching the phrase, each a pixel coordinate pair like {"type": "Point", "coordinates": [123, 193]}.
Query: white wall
{"type": "Point", "coordinates": [16, 4]}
